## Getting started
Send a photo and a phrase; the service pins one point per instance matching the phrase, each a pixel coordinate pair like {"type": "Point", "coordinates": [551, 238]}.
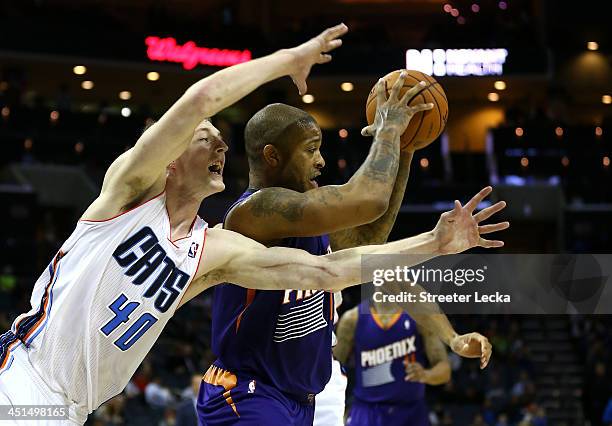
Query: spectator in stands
{"type": "Point", "coordinates": [502, 420]}
{"type": "Point", "coordinates": [522, 388]}
{"type": "Point", "coordinates": [447, 419]}
{"type": "Point", "coordinates": [478, 421]}
{"type": "Point", "coordinates": [112, 412]}
{"type": "Point", "coordinates": [169, 418]}
{"type": "Point", "coordinates": [157, 395]}
{"type": "Point", "coordinates": [186, 411]}
{"type": "Point", "coordinates": [488, 414]}
{"type": "Point", "coordinates": [496, 392]}
{"type": "Point", "coordinates": [534, 416]}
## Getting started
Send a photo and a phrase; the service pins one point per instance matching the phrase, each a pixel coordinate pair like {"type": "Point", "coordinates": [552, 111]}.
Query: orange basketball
{"type": "Point", "coordinates": [425, 126]}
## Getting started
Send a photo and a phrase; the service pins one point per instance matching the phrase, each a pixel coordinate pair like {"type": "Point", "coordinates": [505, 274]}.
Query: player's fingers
{"type": "Point", "coordinates": [301, 85]}
{"type": "Point", "coordinates": [421, 107]}
{"type": "Point", "coordinates": [368, 131]}
{"type": "Point", "coordinates": [457, 207]}
{"type": "Point", "coordinates": [397, 86]}
{"type": "Point", "coordinates": [334, 32]}
{"type": "Point", "coordinates": [484, 214]}
{"type": "Point", "coordinates": [323, 58]}
{"type": "Point", "coordinates": [490, 243]}
{"type": "Point", "coordinates": [412, 92]}
{"type": "Point", "coordinates": [487, 229]}
{"type": "Point", "coordinates": [486, 350]}
{"type": "Point", "coordinates": [381, 92]}
{"type": "Point", "coordinates": [449, 215]}
{"type": "Point", "coordinates": [476, 199]}
{"type": "Point", "coordinates": [333, 44]}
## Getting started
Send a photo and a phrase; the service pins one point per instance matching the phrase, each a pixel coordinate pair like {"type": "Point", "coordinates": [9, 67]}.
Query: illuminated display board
{"type": "Point", "coordinates": [457, 62]}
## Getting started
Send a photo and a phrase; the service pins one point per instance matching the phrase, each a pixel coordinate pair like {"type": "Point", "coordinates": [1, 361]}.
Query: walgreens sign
{"type": "Point", "coordinates": [191, 55]}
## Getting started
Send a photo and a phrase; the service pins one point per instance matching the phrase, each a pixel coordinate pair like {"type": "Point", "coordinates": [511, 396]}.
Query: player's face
{"type": "Point", "coordinates": [204, 160]}
{"type": "Point", "coordinates": [305, 161]}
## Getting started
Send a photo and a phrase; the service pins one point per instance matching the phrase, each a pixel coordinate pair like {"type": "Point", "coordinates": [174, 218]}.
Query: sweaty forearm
{"type": "Point", "coordinates": [379, 231]}
{"type": "Point", "coordinates": [377, 174]}
{"type": "Point", "coordinates": [437, 324]}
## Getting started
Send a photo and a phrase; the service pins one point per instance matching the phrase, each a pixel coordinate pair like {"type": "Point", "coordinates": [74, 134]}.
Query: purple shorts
{"type": "Point", "coordinates": [413, 413]}
{"type": "Point", "coordinates": [226, 399]}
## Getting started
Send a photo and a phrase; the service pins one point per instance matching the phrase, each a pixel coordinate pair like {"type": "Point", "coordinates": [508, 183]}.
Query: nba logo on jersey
{"type": "Point", "coordinates": [193, 250]}
{"type": "Point", "coordinates": [407, 325]}
{"type": "Point", "coordinates": [251, 386]}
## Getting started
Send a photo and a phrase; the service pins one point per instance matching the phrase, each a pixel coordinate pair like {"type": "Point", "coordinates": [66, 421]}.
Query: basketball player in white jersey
{"type": "Point", "coordinates": [140, 251]}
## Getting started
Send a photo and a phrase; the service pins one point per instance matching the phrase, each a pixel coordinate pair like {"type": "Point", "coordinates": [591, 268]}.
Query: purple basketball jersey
{"type": "Point", "coordinates": [381, 355]}
{"type": "Point", "coordinates": [281, 337]}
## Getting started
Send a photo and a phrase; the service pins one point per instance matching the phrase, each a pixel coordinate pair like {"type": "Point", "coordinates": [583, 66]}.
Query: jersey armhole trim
{"type": "Point", "coordinates": [197, 268]}
{"type": "Point", "coordinates": [125, 212]}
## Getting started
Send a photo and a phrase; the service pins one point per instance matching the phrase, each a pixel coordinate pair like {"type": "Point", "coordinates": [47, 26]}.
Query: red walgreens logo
{"type": "Point", "coordinates": [190, 55]}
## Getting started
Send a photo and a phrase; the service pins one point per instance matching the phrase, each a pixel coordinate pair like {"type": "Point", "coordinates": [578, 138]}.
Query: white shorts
{"type": "Point", "coordinates": [21, 385]}
{"type": "Point", "coordinates": [329, 404]}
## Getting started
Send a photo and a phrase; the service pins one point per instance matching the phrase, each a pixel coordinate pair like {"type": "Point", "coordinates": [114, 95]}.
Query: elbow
{"type": "Point", "coordinates": [376, 207]}
{"type": "Point", "coordinates": [200, 99]}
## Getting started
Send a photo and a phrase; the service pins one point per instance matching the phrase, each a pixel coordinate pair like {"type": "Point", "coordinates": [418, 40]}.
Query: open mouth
{"type": "Point", "coordinates": [216, 168]}
{"type": "Point", "coordinates": [313, 181]}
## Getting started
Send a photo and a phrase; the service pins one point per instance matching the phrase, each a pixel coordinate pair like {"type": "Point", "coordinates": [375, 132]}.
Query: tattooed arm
{"type": "Point", "coordinates": [275, 213]}
{"type": "Point", "coordinates": [440, 370]}
{"type": "Point", "coordinates": [378, 231]}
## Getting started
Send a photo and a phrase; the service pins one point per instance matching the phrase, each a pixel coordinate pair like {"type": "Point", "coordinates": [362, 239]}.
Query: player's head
{"type": "Point", "coordinates": [201, 165]}
{"type": "Point", "coordinates": [283, 145]}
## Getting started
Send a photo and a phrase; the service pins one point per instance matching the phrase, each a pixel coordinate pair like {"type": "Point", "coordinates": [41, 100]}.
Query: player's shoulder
{"type": "Point", "coordinates": [256, 215]}
{"type": "Point", "coordinates": [264, 200]}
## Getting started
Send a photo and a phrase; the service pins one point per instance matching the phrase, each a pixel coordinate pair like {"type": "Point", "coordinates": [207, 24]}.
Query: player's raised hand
{"type": "Point", "coordinates": [314, 51]}
{"type": "Point", "coordinates": [393, 112]}
{"type": "Point", "coordinates": [459, 229]}
{"type": "Point", "coordinates": [472, 345]}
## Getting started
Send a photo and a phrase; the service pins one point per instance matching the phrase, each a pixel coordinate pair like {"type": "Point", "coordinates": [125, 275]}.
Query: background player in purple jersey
{"type": "Point", "coordinates": [389, 388]}
{"type": "Point", "coordinates": [271, 364]}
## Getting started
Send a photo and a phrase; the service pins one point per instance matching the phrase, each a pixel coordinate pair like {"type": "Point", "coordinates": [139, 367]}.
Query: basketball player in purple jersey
{"type": "Point", "coordinates": [389, 351]}
{"type": "Point", "coordinates": [274, 347]}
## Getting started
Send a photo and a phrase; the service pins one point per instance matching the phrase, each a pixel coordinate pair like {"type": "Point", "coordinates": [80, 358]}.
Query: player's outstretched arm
{"type": "Point", "coordinates": [232, 257]}
{"type": "Point", "coordinates": [275, 213]}
{"type": "Point", "coordinates": [145, 164]}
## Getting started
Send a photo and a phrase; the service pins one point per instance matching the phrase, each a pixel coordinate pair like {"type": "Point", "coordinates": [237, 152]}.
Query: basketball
{"type": "Point", "coordinates": [425, 126]}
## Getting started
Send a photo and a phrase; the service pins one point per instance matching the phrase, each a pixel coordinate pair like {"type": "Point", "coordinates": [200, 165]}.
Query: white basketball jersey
{"type": "Point", "coordinates": [102, 303]}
